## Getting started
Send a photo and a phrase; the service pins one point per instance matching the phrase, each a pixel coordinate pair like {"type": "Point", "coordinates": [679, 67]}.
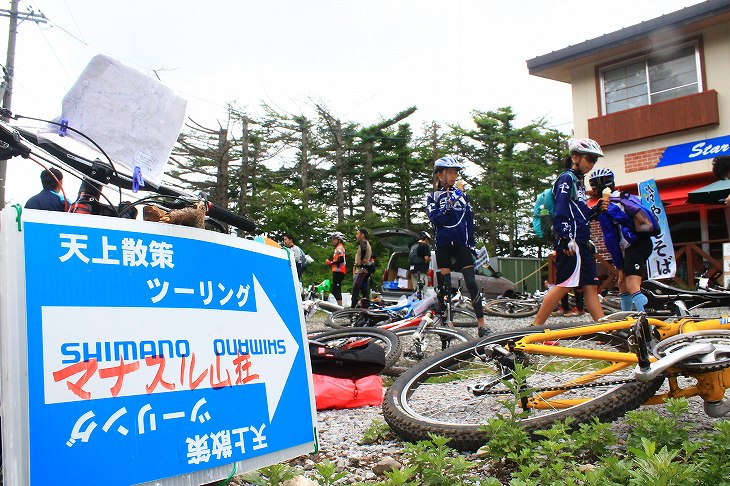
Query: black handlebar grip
{"type": "Point", "coordinates": [227, 217]}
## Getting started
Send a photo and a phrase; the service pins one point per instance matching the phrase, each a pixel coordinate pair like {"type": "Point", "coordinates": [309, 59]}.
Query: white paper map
{"type": "Point", "coordinates": [133, 117]}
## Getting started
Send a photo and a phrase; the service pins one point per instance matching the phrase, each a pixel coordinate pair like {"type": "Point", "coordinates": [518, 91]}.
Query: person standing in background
{"type": "Point", "coordinates": [51, 197]}
{"type": "Point", "coordinates": [338, 265]}
{"type": "Point", "coordinates": [363, 257]}
{"type": "Point", "coordinates": [452, 219]}
{"type": "Point", "coordinates": [419, 260]}
{"type": "Point", "coordinates": [296, 251]}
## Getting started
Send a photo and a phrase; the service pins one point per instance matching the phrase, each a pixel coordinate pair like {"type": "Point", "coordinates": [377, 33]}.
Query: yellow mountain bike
{"type": "Point", "coordinates": [581, 371]}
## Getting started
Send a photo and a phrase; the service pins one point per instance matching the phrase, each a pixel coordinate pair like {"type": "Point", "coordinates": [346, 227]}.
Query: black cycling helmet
{"type": "Point", "coordinates": [424, 236]}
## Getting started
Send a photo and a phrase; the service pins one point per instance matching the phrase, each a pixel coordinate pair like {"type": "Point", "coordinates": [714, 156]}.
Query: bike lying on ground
{"type": "Point", "coordinates": [374, 315]}
{"type": "Point", "coordinates": [599, 370]}
{"type": "Point", "coordinates": [526, 305]}
{"type": "Point", "coordinates": [313, 300]}
{"type": "Point", "coordinates": [419, 337]}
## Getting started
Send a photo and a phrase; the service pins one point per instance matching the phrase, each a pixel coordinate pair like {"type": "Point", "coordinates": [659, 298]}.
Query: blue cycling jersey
{"type": "Point", "coordinates": [571, 214]}
{"type": "Point", "coordinates": [451, 217]}
{"type": "Point", "coordinates": [618, 233]}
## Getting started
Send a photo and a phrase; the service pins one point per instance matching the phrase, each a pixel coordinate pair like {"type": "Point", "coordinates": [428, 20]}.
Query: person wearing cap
{"type": "Point", "coordinates": [574, 262]}
{"type": "Point", "coordinates": [452, 220]}
{"type": "Point", "coordinates": [51, 197]}
{"type": "Point", "coordinates": [338, 265]}
{"type": "Point", "coordinates": [419, 260]}
{"type": "Point", "coordinates": [363, 258]}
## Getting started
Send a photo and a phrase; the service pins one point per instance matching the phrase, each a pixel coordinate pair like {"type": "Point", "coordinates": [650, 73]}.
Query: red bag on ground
{"type": "Point", "coordinates": [331, 392]}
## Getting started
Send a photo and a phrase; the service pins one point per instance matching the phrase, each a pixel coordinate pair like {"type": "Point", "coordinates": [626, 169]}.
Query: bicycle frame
{"type": "Point", "coordinates": [711, 385]}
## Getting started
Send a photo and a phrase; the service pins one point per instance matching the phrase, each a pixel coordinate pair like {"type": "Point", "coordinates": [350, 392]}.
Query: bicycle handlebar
{"type": "Point", "coordinates": [12, 143]}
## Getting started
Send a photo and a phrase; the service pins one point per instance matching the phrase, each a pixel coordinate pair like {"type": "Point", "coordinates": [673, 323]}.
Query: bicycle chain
{"type": "Point", "coordinates": [566, 387]}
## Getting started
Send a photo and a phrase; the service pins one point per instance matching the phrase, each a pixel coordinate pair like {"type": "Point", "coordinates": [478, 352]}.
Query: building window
{"type": "Point", "coordinates": [663, 76]}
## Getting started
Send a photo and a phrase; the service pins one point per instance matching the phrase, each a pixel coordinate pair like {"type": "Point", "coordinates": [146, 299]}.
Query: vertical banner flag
{"type": "Point", "coordinates": [662, 262]}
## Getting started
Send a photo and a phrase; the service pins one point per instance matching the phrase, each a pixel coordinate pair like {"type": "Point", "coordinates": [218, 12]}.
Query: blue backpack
{"type": "Point", "coordinates": [645, 221]}
{"type": "Point", "coordinates": [542, 213]}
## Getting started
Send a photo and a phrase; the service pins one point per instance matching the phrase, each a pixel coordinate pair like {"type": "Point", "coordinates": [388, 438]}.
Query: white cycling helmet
{"type": "Point", "coordinates": [585, 146]}
{"type": "Point", "coordinates": [602, 177]}
{"type": "Point", "coordinates": [337, 236]}
{"type": "Point", "coordinates": [447, 162]}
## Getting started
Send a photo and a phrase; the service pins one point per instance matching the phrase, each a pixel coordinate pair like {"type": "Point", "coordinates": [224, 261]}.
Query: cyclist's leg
{"type": "Point", "coordinates": [444, 255]}
{"type": "Point", "coordinates": [553, 296]}
{"type": "Point", "coordinates": [589, 282]}
{"type": "Point", "coordinates": [336, 290]}
{"type": "Point", "coordinates": [624, 295]}
{"type": "Point", "coordinates": [634, 267]}
{"type": "Point", "coordinates": [476, 298]}
{"type": "Point", "coordinates": [444, 293]}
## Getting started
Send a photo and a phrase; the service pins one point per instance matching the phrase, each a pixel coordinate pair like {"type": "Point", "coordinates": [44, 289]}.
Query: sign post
{"type": "Point", "coordinates": [135, 352]}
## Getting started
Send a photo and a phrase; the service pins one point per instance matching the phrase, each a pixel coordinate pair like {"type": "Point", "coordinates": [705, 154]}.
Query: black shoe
{"type": "Point", "coordinates": [483, 331]}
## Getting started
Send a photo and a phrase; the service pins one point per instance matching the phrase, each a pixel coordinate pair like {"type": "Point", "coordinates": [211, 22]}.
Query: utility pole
{"type": "Point", "coordinates": [9, 70]}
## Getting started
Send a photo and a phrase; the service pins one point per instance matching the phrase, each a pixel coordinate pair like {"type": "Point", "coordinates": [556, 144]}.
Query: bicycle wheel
{"type": "Point", "coordinates": [342, 338]}
{"type": "Point", "coordinates": [432, 341]}
{"type": "Point", "coordinates": [348, 318]}
{"type": "Point", "coordinates": [463, 317]}
{"type": "Point", "coordinates": [511, 307]}
{"type": "Point", "coordinates": [611, 303]}
{"type": "Point", "coordinates": [458, 391]}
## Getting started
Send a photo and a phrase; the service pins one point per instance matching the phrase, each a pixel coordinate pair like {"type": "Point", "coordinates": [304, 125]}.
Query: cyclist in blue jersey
{"type": "Point", "coordinates": [629, 250]}
{"type": "Point", "coordinates": [574, 263]}
{"type": "Point", "coordinates": [452, 219]}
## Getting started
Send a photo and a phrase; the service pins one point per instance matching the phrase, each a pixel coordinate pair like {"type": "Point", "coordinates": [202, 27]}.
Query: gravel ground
{"type": "Point", "coordinates": [340, 431]}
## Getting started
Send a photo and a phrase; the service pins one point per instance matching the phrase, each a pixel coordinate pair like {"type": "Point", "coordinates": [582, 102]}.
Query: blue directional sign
{"type": "Point", "coordinates": [157, 351]}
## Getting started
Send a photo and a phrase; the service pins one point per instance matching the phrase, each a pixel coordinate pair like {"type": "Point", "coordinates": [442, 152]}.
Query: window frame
{"type": "Point", "coordinates": [645, 58]}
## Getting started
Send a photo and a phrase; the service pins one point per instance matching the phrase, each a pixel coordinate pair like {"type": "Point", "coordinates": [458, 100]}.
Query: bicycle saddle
{"type": "Point", "coordinates": [661, 296]}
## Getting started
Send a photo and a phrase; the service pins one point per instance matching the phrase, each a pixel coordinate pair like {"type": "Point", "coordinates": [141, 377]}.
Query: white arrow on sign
{"type": "Point", "coordinates": [72, 334]}
{"type": "Point", "coordinates": [273, 369]}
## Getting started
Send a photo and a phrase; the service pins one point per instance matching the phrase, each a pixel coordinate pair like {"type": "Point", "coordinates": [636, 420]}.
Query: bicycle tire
{"type": "Point", "coordinates": [433, 341]}
{"type": "Point", "coordinates": [511, 307]}
{"type": "Point", "coordinates": [432, 397]}
{"type": "Point", "coordinates": [463, 317]}
{"type": "Point", "coordinates": [350, 318]}
{"type": "Point", "coordinates": [611, 303]}
{"type": "Point", "coordinates": [339, 338]}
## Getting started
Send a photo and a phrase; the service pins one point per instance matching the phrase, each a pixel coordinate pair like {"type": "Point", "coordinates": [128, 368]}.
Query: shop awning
{"type": "Point", "coordinates": [714, 193]}
{"type": "Point", "coordinates": [676, 195]}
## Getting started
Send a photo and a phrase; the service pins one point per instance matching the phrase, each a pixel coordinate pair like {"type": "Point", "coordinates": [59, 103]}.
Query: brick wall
{"type": "Point", "coordinates": [597, 239]}
{"type": "Point", "coordinates": [647, 159]}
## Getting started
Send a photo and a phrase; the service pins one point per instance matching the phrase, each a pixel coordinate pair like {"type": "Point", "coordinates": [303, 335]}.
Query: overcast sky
{"type": "Point", "coordinates": [363, 59]}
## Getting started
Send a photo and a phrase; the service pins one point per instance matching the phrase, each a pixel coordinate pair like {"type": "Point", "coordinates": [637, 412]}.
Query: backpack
{"type": "Point", "coordinates": [413, 258]}
{"type": "Point", "coordinates": [645, 221]}
{"type": "Point", "coordinates": [542, 212]}
{"type": "Point", "coordinates": [353, 363]}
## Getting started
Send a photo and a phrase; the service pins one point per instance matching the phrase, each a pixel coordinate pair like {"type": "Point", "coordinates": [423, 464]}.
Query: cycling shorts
{"type": "Point", "coordinates": [635, 257]}
{"type": "Point", "coordinates": [565, 266]}
{"type": "Point", "coordinates": [454, 257]}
